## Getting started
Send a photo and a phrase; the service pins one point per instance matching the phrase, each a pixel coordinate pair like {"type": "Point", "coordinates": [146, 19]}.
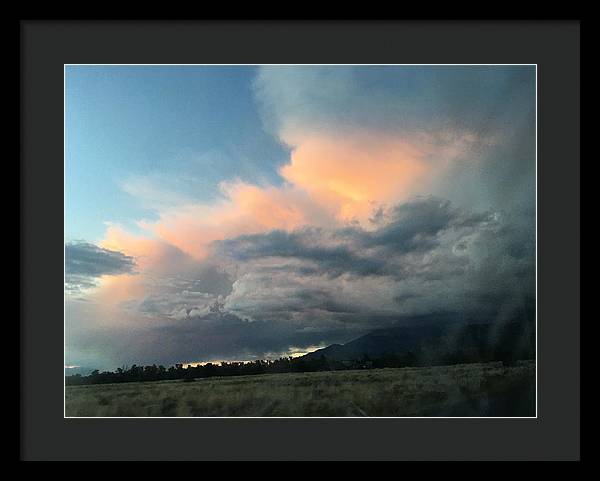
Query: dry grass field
{"type": "Point", "coordinates": [487, 389]}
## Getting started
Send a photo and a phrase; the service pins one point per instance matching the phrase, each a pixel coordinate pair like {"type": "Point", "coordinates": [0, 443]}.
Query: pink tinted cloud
{"type": "Point", "coordinates": [330, 180]}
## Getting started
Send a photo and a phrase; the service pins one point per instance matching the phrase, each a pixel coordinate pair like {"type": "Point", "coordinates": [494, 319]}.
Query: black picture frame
{"type": "Point", "coordinates": [45, 46]}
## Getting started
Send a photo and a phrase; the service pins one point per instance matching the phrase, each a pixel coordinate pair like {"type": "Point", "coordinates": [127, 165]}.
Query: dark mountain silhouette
{"type": "Point", "coordinates": [439, 342]}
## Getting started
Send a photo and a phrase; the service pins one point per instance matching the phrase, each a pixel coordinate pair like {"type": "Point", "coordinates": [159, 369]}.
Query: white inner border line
{"type": "Point", "coordinates": [296, 65]}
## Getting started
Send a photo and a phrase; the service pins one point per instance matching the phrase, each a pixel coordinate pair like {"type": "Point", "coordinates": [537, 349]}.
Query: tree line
{"type": "Point", "coordinates": [137, 373]}
{"type": "Point", "coordinates": [420, 357]}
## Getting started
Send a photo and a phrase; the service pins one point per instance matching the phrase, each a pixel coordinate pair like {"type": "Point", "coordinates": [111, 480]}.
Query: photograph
{"type": "Point", "coordinates": [300, 241]}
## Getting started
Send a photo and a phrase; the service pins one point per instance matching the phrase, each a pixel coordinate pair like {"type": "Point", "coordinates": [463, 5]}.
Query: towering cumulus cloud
{"type": "Point", "coordinates": [408, 191]}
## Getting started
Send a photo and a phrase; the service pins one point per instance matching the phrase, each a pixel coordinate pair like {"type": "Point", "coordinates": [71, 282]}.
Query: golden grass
{"type": "Point", "coordinates": [487, 389]}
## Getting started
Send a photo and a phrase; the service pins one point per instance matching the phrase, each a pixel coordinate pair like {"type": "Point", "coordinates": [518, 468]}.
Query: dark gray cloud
{"type": "Point", "coordinates": [227, 336]}
{"type": "Point", "coordinates": [85, 262]}
{"type": "Point", "coordinates": [424, 256]}
{"type": "Point", "coordinates": [308, 244]}
{"type": "Point", "coordinates": [481, 99]}
{"type": "Point", "coordinates": [211, 336]}
{"type": "Point", "coordinates": [415, 227]}
{"type": "Point", "coordinates": [186, 292]}
{"type": "Point", "coordinates": [87, 259]}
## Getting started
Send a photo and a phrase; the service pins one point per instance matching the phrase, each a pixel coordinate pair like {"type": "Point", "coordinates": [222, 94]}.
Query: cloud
{"type": "Point", "coordinates": [85, 263]}
{"type": "Point", "coordinates": [190, 339]}
{"type": "Point", "coordinates": [425, 256]}
{"type": "Point", "coordinates": [328, 181]}
{"type": "Point", "coordinates": [414, 227]}
{"type": "Point", "coordinates": [473, 125]}
{"type": "Point", "coordinates": [169, 281]}
{"type": "Point", "coordinates": [297, 102]}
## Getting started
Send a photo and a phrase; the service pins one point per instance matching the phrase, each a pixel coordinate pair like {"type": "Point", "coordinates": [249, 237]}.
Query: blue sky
{"type": "Point", "coordinates": [123, 123]}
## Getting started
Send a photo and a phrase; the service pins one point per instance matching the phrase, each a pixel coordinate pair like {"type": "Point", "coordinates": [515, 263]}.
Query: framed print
{"type": "Point", "coordinates": [300, 240]}
{"type": "Point", "coordinates": [270, 240]}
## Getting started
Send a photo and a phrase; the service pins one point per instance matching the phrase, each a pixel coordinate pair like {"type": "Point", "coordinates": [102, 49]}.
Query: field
{"type": "Point", "coordinates": [487, 389]}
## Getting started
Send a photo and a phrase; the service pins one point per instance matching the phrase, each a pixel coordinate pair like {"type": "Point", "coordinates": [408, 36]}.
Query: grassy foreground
{"type": "Point", "coordinates": [487, 389]}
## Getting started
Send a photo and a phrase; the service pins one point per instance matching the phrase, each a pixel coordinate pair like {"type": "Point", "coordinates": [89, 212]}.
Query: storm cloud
{"type": "Point", "coordinates": [85, 263]}
{"type": "Point", "coordinates": [424, 256]}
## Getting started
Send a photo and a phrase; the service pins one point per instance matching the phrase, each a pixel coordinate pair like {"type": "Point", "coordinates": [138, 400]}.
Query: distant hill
{"type": "Point", "coordinates": [439, 343]}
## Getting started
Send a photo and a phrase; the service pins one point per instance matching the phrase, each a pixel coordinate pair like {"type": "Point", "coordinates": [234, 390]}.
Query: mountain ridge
{"type": "Point", "coordinates": [439, 342]}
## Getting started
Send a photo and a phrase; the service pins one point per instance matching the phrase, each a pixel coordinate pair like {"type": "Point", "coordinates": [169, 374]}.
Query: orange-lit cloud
{"type": "Point", "coordinates": [153, 256]}
{"type": "Point", "coordinates": [247, 209]}
{"type": "Point", "coordinates": [349, 175]}
{"type": "Point", "coordinates": [330, 180]}
{"type": "Point", "coordinates": [114, 290]}
{"type": "Point", "coordinates": [146, 251]}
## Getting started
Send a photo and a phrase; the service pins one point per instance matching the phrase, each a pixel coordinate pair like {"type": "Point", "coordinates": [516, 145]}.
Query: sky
{"type": "Point", "coordinates": [244, 212]}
